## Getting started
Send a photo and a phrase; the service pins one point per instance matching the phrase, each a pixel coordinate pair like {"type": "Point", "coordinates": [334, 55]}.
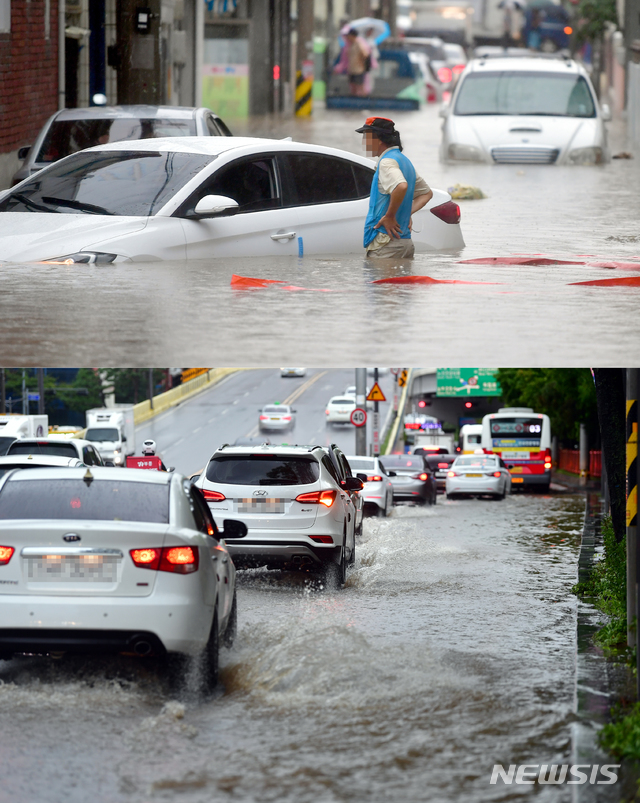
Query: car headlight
{"type": "Point", "coordinates": [465, 153]}
{"type": "Point", "coordinates": [83, 257]}
{"type": "Point", "coordinates": [586, 156]}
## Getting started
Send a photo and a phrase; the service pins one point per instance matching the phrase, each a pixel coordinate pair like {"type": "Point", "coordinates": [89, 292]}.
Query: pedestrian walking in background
{"type": "Point", "coordinates": [396, 192]}
{"type": "Point", "coordinates": [355, 61]}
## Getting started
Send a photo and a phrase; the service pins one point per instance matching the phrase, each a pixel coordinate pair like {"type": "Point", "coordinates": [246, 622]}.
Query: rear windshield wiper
{"type": "Point", "coordinates": [24, 199]}
{"type": "Point", "coordinates": [81, 207]}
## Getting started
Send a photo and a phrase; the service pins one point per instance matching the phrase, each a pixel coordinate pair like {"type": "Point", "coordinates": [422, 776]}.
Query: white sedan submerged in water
{"type": "Point", "coordinates": [202, 197]}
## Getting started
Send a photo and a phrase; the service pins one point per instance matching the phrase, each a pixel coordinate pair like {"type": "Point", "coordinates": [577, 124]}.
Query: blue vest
{"type": "Point", "coordinates": [379, 203]}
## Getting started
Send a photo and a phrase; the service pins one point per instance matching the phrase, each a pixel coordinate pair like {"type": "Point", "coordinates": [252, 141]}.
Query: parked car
{"type": "Point", "coordinates": [276, 417]}
{"type": "Point", "coordinates": [377, 493]}
{"type": "Point", "coordinates": [9, 462]}
{"type": "Point", "coordinates": [74, 447]}
{"type": "Point", "coordinates": [71, 130]}
{"type": "Point", "coordinates": [198, 198]}
{"type": "Point", "coordinates": [293, 372]}
{"type": "Point", "coordinates": [413, 478]}
{"type": "Point", "coordinates": [439, 464]}
{"type": "Point", "coordinates": [525, 110]}
{"type": "Point", "coordinates": [92, 560]}
{"type": "Point", "coordinates": [478, 475]}
{"type": "Point", "coordinates": [298, 513]}
{"type": "Point", "coordinates": [339, 409]}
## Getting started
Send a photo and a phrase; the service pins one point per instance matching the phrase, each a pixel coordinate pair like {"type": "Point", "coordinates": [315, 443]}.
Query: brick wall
{"type": "Point", "coordinates": [28, 73]}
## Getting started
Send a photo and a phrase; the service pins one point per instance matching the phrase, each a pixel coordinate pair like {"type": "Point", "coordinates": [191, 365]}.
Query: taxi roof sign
{"type": "Point", "coordinates": [375, 394]}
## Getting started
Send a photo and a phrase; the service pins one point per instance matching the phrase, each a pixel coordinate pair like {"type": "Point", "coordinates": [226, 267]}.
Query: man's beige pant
{"type": "Point", "coordinates": [396, 249]}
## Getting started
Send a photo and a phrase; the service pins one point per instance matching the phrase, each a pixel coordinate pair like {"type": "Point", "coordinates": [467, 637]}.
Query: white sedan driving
{"type": "Point", "coordinates": [478, 474]}
{"type": "Point", "coordinates": [202, 197]}
{"type": "Point", "coordinates": [94, 560]}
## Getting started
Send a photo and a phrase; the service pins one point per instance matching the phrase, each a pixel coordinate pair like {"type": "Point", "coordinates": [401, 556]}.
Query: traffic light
{"type": "Point", "coordinates": [468, 405]}
{"type": "Point", "coordinates": [422, 403]}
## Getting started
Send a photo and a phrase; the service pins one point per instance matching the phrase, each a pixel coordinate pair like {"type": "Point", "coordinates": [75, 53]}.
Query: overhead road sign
{"type": "Point", "coordinates": [467, 382]}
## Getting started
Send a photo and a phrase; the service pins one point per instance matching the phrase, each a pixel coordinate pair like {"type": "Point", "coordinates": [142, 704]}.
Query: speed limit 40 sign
{"type": "Point", "coordinates": [358, 417]}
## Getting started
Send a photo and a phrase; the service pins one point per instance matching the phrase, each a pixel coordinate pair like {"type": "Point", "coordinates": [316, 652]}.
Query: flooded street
{"type": "Point", "coordinates": [451, 648]}
{"type": "Point", "coordinates": [184, 313]}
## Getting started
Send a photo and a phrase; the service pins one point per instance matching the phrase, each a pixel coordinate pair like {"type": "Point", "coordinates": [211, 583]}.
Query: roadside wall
{"type": "Point", "coordinates": [28, 77]}
{"type": "Point", "coordinates": [633, 104]}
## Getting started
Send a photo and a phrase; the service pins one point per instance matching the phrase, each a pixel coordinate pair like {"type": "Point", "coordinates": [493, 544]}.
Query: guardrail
{"type": "Point", "coordinates": [569, 460]}
{"type": "Point", "coordinates": [170, 398]}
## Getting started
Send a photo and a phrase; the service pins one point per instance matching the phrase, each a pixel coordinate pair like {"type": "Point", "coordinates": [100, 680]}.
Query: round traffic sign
{"type": "Point", "coordinates": [395, 371]}
{"type": "Point", "coordinates": [359, 417]}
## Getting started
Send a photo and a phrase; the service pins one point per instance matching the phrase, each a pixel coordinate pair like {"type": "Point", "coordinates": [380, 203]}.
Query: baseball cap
{"type": "Point", "coordinates": [382, 125]}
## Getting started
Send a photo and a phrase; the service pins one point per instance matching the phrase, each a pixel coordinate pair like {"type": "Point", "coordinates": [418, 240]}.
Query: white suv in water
{"type": "Point", "coordinates": [524, 110]}
{"type": "Point", "coordinates": [299, 511]}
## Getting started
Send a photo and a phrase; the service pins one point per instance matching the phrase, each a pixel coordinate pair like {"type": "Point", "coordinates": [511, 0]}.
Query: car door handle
{"type": "Point", "coordinates": [285, 236]}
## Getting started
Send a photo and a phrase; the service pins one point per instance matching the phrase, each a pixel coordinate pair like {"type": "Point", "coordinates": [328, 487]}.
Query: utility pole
{"type": "Point", "coordinates": [138, 57]}
{"type": "Point", "coordinates": [304, 59]}
{"type": "Point", "coordinates": [584, 455]}
{"type": "Point", "coordinates": [376, 420]}
{"type": "Point", "coordinates": [361, 392]}
{"type": "Point", "coordinates": [25, 401]}
{"type": "Point", "coordinates": [40, 391]}
{"type": "Point", "coordinates": [3, 393]}
{"type": "Point", "coordinates": [632, 497]}
{"type": "Point", "coordinates": [151, 388]}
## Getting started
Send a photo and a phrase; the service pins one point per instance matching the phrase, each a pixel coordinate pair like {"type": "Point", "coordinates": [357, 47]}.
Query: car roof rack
{"type": "Point", "coordinates": [494, 52]}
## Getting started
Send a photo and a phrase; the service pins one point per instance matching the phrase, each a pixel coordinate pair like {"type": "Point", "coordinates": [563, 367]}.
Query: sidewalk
{"type": "Point", "coordinates": [564, 481]}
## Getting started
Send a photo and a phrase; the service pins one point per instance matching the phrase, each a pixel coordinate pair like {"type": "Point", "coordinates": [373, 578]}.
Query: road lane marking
{"type": "Point", "coordinates": [197, 429]}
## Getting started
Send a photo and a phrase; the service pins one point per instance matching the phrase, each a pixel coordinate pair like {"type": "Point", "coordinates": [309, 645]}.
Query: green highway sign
{"type": "Point", "coordinates": [467, 382]}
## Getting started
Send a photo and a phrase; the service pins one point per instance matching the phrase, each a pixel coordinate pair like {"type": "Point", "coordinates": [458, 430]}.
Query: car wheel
{"type": "Point", "coordinates": [232, 624]}
{"type": "Point", "coordinates": [335, 574]}
{"type": "Point", "coordinates": [450, 496]}
{"type": "Point", "coordinates": [388, 502]}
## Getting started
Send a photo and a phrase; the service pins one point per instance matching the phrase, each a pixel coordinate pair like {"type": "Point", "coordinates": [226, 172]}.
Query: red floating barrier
{"type": "Point", "coordinates": [514, 260]}
{"type": "Point", "coordinates": [622, 281]}
{"type": "Point", "coordinates": [247, 281]}
{"type": "Point", "coordinates": [423, 280]}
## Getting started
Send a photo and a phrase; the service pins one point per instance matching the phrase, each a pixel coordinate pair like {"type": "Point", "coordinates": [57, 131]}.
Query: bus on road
{"type": "Point", "coordinates": [522, 438]}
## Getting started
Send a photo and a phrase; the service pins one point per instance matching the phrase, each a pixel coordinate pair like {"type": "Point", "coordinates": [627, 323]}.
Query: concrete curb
{"type": "Point", "coordinates": [593, 695]}
{"type": "Point", "coordinates": [171, 398]}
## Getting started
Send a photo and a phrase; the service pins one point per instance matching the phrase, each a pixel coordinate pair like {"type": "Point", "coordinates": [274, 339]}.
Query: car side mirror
{"type": "Point", "coordinates": [234, 529]}
{"type": "Point", "coordinates": [605, 110]}
{"type": "Point", "coordinates": [23, 152]}
{"type": "Point", "coordinates": [124, 438]}
{"type": "Point", "coordinates": [352, 484]}
{"type": "Point", "coordinates": [109, 463]}
{"type": "Point", "coordinates": [392, 474]}
{"type": "Point", "coordinates": [214, 205]}
{"type": "Point", "coordinates": [362, 477]}
{"type": "Point", "coordinates": [171, 468]}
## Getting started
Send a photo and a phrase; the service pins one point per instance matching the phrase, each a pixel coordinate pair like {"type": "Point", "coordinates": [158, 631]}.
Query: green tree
{"type": "Point", "coordinates": [566, 395]}
{"type": "Point", "coordinates": [593, 16]}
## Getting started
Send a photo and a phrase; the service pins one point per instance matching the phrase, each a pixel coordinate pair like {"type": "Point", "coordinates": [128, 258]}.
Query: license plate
{"type": "Point", "coordinates": [473, 475]}
{"type": "Point", "coordinates": [73, 568]}
{"type": "Point", "coordinates": [517, 470]}
{"type": "Point", "coordinates": [264, 505]}
{"type": "Point", "coordinates": [274, 419]}
{"type": "Point", "coordinates": [517, 479]}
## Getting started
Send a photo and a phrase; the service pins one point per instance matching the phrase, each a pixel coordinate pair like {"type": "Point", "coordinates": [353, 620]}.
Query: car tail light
{"type": "Point", "coordinates": [422, 476]}
{"type": "Point", "coordinates": [322, 539]}
{"type": "Point", "coordinates": [496, 474]}
{"type": "Point", "coordinates": [213, 496]}
{"type": "Point", "coordinates": [443, 465]}
{"type": "Point", "coordinates": [448, 211]}
{"type": "Point", "coordinates": [5, 554]}
{"type": "Point", "coordinates": [286, 418]}
{"type": "Point", "coordinates": [176, 559]}
{"type": "Point", "coordinates": [264, 417]}
{"type": "Point", "coordinates": [547, 464]}
{"type": "Point", "coordinates": [432, 96]}
{"type": "Point", "coordinates": [445, 75]}
{"type": "Point", "coordinates": [458, 69]}
{"type": "Point", "coordinates": [326, 498]}
{"type": "Point", "coordinates": [452, 474]}
{"type": "Point", "coordinates": [374, 478]}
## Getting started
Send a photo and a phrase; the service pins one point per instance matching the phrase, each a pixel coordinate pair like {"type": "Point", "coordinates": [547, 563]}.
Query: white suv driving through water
{"type": "Point", "coordinates": [298, 510]}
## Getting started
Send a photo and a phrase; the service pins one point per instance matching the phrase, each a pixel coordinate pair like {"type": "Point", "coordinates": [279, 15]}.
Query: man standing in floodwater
{"type": "Point", "coordinates": [396, 192]}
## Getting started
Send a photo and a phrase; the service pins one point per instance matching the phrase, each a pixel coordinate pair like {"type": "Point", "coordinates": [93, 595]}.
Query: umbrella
{"type": "Point", "coordinates": [380, 28]}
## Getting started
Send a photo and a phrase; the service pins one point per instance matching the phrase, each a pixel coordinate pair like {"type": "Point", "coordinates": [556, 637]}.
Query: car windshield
{"type": "Point", "coordinates": [77, 499]}
{"type": "Point", "coordinates": [476, 462]}
{"type": "Point", "coordinates": [65, 137]}
{"type": "Point", "coordinates": [102, 434]}
{"type": "Point", "coordinates": [59, 448]}
{"type": "Point", "coordinates": [128, 183]}
{"type": "Point", "coordinates": [263, 470]}
{"type": "Point", "coordinates": [343, 401]}
{"type": "Point", "coordinates": [361, 464]}
{"type": "Point", "coordinates": [276, 408]}
{"type": "Point", "coordinates": [403, 461]}
{"type": "Point", "coordinates": [518, 93]}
